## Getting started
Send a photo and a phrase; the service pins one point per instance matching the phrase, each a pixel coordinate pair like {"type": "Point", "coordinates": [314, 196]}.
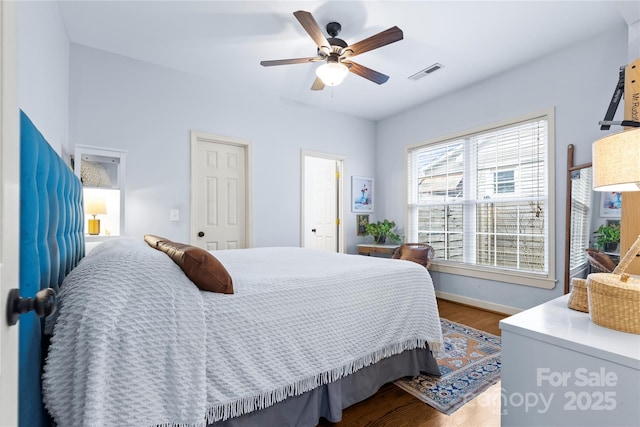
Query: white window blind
{"type": "Point", "coordinates": [581, 184]}
{"type": "Point", "coordinates": [482, 199]}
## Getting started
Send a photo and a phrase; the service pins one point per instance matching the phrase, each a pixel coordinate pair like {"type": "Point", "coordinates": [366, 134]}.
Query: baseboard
{"type": "Point", "coordinates": [485, 305]}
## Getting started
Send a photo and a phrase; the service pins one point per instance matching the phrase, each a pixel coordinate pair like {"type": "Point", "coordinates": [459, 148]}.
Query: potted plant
{"type": "Point", "coordinates": [381, 230]}
{"type": "Point", "coordinates": [607, 237]}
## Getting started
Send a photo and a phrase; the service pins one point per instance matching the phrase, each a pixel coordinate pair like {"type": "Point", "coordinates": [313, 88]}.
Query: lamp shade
{"type": "Point", "coordinates": [332, 73]}
{"type": "Point", "coordinates": [95, 206]}
{"type": "Point", "coordinates": [616, 162]}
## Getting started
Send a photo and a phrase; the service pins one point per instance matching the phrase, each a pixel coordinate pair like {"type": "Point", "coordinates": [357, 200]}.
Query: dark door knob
{"type": "Point", "coordinates": [313, 230]}
{"type": "Point", "coordinates": [44, 304]}
{"type": "Point", "coordinates": [201, 234]}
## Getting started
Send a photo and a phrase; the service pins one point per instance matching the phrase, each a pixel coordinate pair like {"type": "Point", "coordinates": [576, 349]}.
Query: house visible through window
{"type": "Point", "coordinates": [503, 182]}
{"type": "Point", "coordinates": [481, 199]}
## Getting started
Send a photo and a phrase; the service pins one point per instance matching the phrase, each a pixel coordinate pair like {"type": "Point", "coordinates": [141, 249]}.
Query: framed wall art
{"type": "Point", "coordinates": [610, 204]}
{"type": "Point", "coordinates": [613, 222]}
{"type": "Point", "coordinates": [362, 220]}
{"type": "Point", "coordinates": [361, 194]}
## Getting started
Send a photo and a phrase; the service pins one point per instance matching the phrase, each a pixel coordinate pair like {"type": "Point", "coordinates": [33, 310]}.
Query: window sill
{"type": "Point", "coordinates": [507, 276]}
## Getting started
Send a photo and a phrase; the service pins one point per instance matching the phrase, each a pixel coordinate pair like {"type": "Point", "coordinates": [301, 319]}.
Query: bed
{"type": "Point", "coordinates": [303, 335]}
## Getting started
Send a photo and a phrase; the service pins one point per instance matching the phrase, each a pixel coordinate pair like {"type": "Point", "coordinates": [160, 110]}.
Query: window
{"type": "Point", "coordinates": [581, 185]}
{"type": "Point", "coordinates": [503, 182]}
{"type": "Point", "coordinates": [482, 201]}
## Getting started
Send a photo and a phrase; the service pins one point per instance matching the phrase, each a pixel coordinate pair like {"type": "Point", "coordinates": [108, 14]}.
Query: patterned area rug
{"type": "Point", "coordinates": [470, 365]}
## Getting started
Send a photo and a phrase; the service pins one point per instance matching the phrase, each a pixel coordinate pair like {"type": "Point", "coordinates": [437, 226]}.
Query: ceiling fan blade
{"type": "Point", "coordinates": [367, 73]}
{"type": "Point", "coordinates": [384, 38]}
{"type": "Point", "coordinates": [313, 29]}
{"type": "Point", "coordinates": [290, 61]}
{"type": "Point", "coordinates": [318, 84]}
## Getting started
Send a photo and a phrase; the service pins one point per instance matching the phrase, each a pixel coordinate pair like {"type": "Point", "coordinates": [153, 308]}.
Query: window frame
{"type": "Point", "coordinates": [579, 227]}
{"type": "Point", "coordinates": [545, 280]}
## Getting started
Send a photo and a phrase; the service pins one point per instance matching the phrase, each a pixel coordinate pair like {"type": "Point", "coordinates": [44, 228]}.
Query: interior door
{"type": "Point", "coordinates": [9, 219]}
{"type": "Point", "coordinates": [220, 192]}
{"type": "Point", "coordinates": [321, 203]}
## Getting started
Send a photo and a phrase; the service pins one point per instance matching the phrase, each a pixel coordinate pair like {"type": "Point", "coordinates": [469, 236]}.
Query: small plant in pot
{"type": "Point", "coordinates": [607, 237]}
{"type": "Point", "coordinates": [381, 230]}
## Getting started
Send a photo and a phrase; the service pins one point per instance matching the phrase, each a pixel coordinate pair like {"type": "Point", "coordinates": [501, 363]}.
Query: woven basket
{"type": "Point", "coordinates": [579, 300]}
{"type": "Point", "coordinates": [614, 301]}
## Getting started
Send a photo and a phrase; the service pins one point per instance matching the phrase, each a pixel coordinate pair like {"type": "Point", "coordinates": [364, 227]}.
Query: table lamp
{"type": "Point", "coordinates": [95, 206]}
{"type": "Point", "coordinates": [616, 162]}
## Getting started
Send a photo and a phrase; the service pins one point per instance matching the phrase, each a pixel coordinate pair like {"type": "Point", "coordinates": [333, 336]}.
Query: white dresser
{"type": "Point", "coordinates": [561, 369]}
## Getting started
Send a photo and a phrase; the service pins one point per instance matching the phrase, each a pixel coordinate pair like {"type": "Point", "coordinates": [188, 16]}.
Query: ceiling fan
{"type": "Point", "coordinates": [336, 53]}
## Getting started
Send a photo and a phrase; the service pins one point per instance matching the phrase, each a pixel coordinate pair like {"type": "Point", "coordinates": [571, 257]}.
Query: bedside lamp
{"type": "Point", "coordinates": [95, 206]}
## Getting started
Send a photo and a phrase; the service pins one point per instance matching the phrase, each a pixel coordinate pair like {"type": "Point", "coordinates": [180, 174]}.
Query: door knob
{"type": "Point", "coordinates": [313, 230]}
{"type": "Point", "coordinates": [44, 304]}
{"type": "Point", "coordinates": [201, 234]}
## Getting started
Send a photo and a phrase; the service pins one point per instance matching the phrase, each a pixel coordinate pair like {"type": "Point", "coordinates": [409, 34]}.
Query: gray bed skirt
{"type": "Point", "coordinates": [329, 400]}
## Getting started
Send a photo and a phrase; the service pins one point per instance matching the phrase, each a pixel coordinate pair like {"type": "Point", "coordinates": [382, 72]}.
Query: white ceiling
{"type": "Point", "coordinates": [226, 40]}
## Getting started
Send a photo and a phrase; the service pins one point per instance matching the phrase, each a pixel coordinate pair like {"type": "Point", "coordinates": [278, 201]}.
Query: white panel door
{"type": "Point", "coordinates": [321, 209]}
{"type": "Point", "coordinates": [219, 193]}
{"type": "Point", "coordinates": [9, 219]}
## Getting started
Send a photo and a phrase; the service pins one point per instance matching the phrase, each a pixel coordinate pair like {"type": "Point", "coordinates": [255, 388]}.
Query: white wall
{"type": "Point", "coordinates": [43, 71]}
{"type": "Point", "coordinates": [578, 81]}
{"type": "Point", "coordinates": [117, 102]}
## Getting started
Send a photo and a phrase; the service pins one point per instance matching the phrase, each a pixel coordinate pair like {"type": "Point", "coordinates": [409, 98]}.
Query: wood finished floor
{"type": "Point", "coordinates": [392, 407]}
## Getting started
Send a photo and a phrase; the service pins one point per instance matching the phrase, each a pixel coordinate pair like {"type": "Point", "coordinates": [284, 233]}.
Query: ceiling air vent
{"type": "Point", "coordinates": [430, 69]}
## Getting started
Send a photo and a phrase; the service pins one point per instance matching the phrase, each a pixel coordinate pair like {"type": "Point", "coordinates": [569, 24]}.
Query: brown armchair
{"type": "Point", "coordinates": [421, 253]}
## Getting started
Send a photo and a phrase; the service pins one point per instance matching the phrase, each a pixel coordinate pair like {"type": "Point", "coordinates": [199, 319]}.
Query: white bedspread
{"type": "Point", "coordinates": [137, 344]}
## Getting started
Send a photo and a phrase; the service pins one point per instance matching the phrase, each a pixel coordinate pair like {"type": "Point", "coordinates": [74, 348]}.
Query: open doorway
{"type": "Point", "coordinates": [322, 207]}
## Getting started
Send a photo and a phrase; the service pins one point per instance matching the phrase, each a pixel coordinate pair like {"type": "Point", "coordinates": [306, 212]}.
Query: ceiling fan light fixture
{"type": "Point", "coordinates": [332, 73]}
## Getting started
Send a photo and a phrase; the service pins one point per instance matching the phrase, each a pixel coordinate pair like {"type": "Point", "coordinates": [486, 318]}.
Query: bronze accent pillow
{"type": "Point", "coordinates": [200, 266]}
{"type": "Point", "coordinates": [154, 240]}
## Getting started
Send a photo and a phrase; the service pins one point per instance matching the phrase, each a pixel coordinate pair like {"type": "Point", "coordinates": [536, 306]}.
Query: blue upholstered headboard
{"type": "Point", "coordinates": [51, 245]}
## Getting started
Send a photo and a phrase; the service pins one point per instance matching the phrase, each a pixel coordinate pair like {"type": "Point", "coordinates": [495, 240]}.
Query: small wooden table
{"type": "Point", "coordinates": [375, 249]}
